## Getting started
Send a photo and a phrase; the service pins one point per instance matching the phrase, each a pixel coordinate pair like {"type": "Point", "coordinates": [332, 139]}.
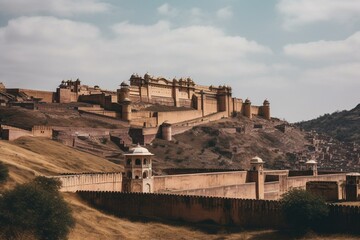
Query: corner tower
{"type": "Point", "coordinates": [123, 95]}
{"type": "Point", "coordinates": [138, 170]}
{"type": "Point", "coordinates": [247, 108]}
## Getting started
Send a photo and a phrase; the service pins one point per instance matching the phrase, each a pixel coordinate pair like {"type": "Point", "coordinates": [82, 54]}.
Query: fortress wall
{"type": "Point", "coordinates": [246, 190]}
{"type": "Point", "coordinates": [45, 96]}
{"type": "Point", "coordinates": [177, 116]}
{"type": "Point", "coordinates": [272, 191]}
{"type": "Point", "coordinates": [211, 105]}
{"type": "Point", "coordinates": [225, 211]}
{"type": "Point", "coordinates": [141, 122]}
{"type": "Point", "coordinates": [237, 105]}
{"type": "Point", "coordinates": [13, 134]}
{"type": "Point", "coordinates": [255, 110]}
{"type": "Point", "coordinates": [103, 118]}
{"type": "Point", "coordinates": [64, 95]}
{"type": "Point", "coordinates": [142, 114]}
{"type": "Point", "coordinates": [300, 182]}
{"type": "Point", "coordinates": [42, 131]}
{"type": "Point", "coordinates": [198, 181]}
{"type": "Point", "coordinates": [93, 99]}
{"type": "Point", "coordinates": [91, 182]}
{"type": "Point", "coordinates": [179, 129]}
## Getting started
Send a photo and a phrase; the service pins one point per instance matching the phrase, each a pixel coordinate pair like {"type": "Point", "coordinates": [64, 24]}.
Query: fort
{"type": "Point", "coordinates": [245, 198]}
{"type": "Point", "coordinates": [147, 107]}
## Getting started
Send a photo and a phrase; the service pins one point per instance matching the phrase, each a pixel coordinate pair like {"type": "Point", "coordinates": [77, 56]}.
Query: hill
{"type": "Point", "coordinates": [230, 143]}
{"type": "Point", "coordinates": [344, 125]}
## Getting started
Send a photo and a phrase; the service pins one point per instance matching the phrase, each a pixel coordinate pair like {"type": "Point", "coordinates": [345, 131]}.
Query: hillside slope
{"type": "Point", "coordinates": [229, 143]}
{"type": "Point", "coordinates": [344, 125]}
{"type": "Point", "coordinates": [28, 157]}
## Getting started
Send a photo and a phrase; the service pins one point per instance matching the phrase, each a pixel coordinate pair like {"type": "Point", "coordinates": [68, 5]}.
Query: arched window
{"type": "Point", "coordinates": [128, 161]}
{"type": "Point", "coordinates": [129, 174]}
{"type": "Point", "coordinates": [136, 177]}
{"type": "Point", "coordinates": [137, 162]}
{"type": "Point", "coordinates": [145, 161]}
{"type": "Point", "coordinates": [145, 174]}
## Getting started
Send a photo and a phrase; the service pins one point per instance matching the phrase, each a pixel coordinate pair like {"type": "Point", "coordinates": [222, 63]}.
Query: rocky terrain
{"type": "Point", "coordinates": [341, 125]}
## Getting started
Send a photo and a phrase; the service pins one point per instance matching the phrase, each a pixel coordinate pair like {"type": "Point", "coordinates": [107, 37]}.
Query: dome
{"type": "Point", "coordinates": [256, 160]}
{"type": "Point", "coordinates": [266, 102]}
{"type": "Point", "coordinates": [311, 162]}
{"type": "Point", "coordinates": [138, 150]}
{"type": "Point", "coordinates": [124, 84]}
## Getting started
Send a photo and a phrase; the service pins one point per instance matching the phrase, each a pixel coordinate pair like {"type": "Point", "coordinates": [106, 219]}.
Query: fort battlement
{"type": "Point", "coordinates": [218, 210]}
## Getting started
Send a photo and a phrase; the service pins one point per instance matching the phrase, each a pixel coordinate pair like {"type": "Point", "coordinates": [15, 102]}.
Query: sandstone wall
{"type": "Point", "coordinates": [170, 183]}
{"type": "Point", "coordinates": [42, 131]}
{"type": "Point", "coordinates": [224, 211]}
{"type": "Point", "coordinates": [177, 116]}
{"type": "Point", "coordinates": [246, 190]}
{"type": "Point", "coordinates": [91, 182]}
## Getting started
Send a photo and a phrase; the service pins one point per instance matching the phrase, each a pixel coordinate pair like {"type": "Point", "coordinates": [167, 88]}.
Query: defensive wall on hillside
{"type": "Point", "coordinates": [234, 184]}
{"type": "Point", "coordinates": [104, 181]}
{"type": "Point", "coordinates": [224, 211]}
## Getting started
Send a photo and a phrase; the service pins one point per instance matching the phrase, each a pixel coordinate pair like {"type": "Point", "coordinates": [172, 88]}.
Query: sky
{"type": "Point", "coordinates": [301, 55]}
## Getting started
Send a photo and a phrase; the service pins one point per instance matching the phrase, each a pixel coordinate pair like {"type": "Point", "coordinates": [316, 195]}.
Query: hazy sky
{"type": "Point", "coordinates": [302, 55]}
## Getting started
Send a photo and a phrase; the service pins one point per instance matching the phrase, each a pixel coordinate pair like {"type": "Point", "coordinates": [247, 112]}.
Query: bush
{"type": "Point", "coordinates": [4, 172]}
{"type": "Point", "coordinates": [35, 209]}
{"type": "Point", "coordinates": [303, 210]}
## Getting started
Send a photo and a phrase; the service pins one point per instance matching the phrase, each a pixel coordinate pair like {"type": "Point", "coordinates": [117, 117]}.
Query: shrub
{"type": "Point", "coordinates": [35, 209]}
{"type": "Point", "coordinates": [303, 210]}
{"type": "Point", "coordinates": [4, 172]}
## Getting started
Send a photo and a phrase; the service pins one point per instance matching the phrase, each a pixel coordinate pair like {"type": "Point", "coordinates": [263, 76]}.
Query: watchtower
{"type": "Point", "coordinates": [256, 174]}
{"type": "Point", "coordinates": [312, 166]}
{"type": "Point", "coordinates": [247, 108]}
{"type": "Point", "coordinates": [138, 170]}
{"type": "Point", "coordinates": [266, 109]}
{"type": "Point", "coordinates": [124, 100]}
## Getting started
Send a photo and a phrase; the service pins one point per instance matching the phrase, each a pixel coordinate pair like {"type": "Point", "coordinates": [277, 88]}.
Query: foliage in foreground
{"type": "Point", "coordinates": [4, 172]}
{"type": "Point", "coordinates": [35, 210]}
{"type": "Point", "coordinates": [304, 210]}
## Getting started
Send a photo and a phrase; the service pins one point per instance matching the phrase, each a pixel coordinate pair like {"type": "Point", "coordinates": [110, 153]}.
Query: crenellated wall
{"type": "Point", "coordinates": [224, 211]}
{"type": "Point", "coordinates": [90, 182]}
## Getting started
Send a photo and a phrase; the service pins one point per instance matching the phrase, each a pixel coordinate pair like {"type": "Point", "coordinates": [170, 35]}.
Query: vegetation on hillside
{"type": "Point", "coordinates": [344, 125]}
{"type": "Point", "coordinates": [35, 210]}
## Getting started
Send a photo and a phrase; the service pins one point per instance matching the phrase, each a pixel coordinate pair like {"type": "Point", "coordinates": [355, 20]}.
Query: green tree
{"type": "Point", "coordinates": [304, 210]}
{"type": "Point", "coordinates": [4, 172]}
{"type": "Point", "coordinates": [35, 209]}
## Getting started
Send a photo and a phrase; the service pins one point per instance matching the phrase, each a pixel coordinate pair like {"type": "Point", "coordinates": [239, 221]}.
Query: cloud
{"type": "Point", "coordinates": [56, 7]}
{"type": "Point", "coordinates": [41, 51]}
{"type": "Point", "coordinates": [334, 51]}
{"type": "Point", "coordinates": [302, 12]}
{"type": "Point", "coordinates": [224, 13]}
{"type": "Point", "coordinates": [167, 10]}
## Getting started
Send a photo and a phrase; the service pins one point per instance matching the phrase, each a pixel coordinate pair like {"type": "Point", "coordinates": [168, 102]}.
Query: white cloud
{"type": "Point", "coordinates": [301, 12]}
{"type": "Point", "coordinates": [224, 13]}
{"type": "Point", "coordinates": [167, 10]}
{"type": "Point", "coordinates": [43, 50]}
{"type": "Point", "coordinates": [56, 7]}
{"type": "Point", "coordinates": [334, 51]}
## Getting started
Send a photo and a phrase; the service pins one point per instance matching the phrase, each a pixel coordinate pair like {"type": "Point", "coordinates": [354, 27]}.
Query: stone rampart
{"type": "Point", "coordinates": [245, 190]}
{"type": "Point", "coordinates": [224, 211]}
{"type": "Point", "coordinates": [73, 182]}
{"type": "Point", "coordinates": [170, 183]}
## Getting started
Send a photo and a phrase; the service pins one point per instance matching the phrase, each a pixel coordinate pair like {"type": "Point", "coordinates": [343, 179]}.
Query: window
{"type": "Point", "coordinates": [145, 161]}
{"type": "Point", "coordinates": [145, 174]}
{"type": "Point", "coordinates": [128, 162]}
{"type": "Point", "coordinates": [137, 162]}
